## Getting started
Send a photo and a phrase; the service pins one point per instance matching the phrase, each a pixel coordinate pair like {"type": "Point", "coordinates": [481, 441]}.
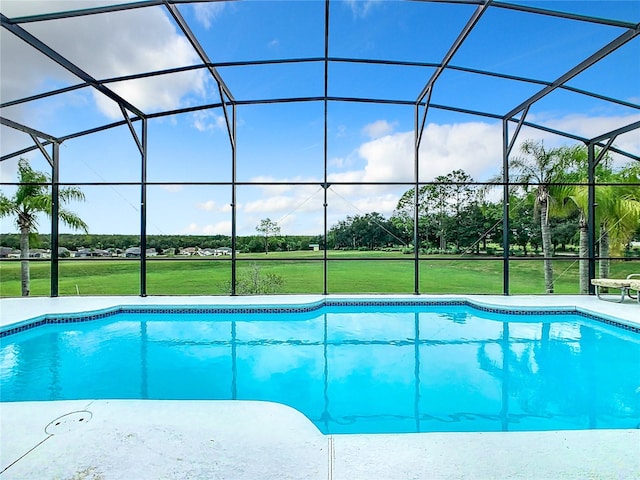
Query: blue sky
{"type": "Point", "coordinates": [284, 142]}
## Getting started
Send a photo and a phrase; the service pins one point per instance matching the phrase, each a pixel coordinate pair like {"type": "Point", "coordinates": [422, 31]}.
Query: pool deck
{"type": "Point", "coordinates": [149, 439]}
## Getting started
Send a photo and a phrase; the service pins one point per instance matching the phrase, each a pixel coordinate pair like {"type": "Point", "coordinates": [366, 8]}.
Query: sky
{"type": "Point", "coordinates": [284, 142]}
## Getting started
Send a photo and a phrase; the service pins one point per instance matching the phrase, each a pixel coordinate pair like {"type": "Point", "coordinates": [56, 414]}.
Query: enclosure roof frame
{"type": "Point", "coordinates": [632, 30]}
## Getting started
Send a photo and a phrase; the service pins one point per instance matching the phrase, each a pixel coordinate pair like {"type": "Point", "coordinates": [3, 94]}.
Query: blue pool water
{"type": "Point", "coordinates": [365, 369]}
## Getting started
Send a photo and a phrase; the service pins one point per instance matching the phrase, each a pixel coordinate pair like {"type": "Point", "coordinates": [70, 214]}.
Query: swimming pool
{"type": "Point", "coordinates": [350, 367]}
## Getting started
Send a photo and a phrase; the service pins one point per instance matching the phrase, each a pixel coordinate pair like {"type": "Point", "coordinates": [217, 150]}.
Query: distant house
{"type": "Point", "coordinates": [88, 252]}
{"type": "Point", "coordinates": [188, 251]}
{"type": "Point", "coordinates": [216, 252]}
{"type": "Point", "coordinates": [5, 251]}
{"type": "Point", "coordinates": [132, 252]}
{"type": "Point", "coordinates": [39, 253]}
{"type": "Point", "coordinates": [314, 246]}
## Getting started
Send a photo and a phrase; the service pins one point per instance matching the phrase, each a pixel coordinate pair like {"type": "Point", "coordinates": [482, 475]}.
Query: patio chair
{"type": "Point", "coordinates": [635, 285]}
{"type": "Point", "coordinates": [625, 286]}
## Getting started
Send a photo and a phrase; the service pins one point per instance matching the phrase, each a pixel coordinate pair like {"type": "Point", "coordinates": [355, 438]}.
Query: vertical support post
{"type": "Point", "coordinates": [143, 212]}
{"type": "Point", "coordinates": [55, 219]}
{"type": "Point", "coordinates": [325, 290]}
{"type": "Point", "coordinates": [505, 207]}
{"type": "Point", "coordinates": [234, 232]}
{"type": "Point", "coordinates": [416, 198]}
{"type": "Point", "coordinates": [591, 216]}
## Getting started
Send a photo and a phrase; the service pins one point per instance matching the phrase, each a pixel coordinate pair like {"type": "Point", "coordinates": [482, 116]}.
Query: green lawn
{"type": "Point", "coordinates": [301, 275]}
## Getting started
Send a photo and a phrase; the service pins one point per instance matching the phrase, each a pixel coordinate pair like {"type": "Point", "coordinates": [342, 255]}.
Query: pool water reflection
{"type": "Point", "coordinates": [368, 369]}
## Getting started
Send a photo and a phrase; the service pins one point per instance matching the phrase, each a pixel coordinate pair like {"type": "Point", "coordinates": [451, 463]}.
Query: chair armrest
{"type": "Point", "coordinates": [631, 275]}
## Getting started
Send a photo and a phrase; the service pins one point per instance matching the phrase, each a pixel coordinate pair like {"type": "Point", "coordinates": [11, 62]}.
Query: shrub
{"type": "Point", "coordinates": [254, 282]}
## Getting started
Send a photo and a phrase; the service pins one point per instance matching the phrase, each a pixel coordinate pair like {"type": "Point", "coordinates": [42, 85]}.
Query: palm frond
{"type": "Point", "coordinates": [72, 220]}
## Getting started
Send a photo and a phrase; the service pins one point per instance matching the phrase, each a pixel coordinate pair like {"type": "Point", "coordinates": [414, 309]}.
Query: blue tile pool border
{"type": "Point", "coordinates": [55, 319]}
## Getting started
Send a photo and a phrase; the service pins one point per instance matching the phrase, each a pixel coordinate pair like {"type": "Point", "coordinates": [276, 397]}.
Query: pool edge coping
{"type": "Point", "coordinates": [81, 316]}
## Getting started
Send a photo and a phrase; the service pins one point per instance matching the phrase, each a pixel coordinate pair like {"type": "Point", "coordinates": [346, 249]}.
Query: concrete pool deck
{"type": "Point", "coordinates": [149, 439]}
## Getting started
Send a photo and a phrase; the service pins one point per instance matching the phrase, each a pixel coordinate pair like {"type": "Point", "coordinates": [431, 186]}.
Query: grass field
{"type": "Point", "coordinates": [303, 274]}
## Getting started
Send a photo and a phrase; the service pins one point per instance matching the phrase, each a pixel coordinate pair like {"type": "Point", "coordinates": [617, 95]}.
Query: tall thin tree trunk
{"type": "Point", "coordinates": [547, 247]}
{"type": "Point", "coordinates": [605, 263]}
{"type": "Point", "coordinates": [24, 263]}
{"type": "Point", "coordinates": [583, 253]}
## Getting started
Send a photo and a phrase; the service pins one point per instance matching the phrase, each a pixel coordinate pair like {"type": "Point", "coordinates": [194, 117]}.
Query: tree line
{"type": "Point", "coordinates": [165, 244]}
{"type": "Point", "coordinates": [548, 206]}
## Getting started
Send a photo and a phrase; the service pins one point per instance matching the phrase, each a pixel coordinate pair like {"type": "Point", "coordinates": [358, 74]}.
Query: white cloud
{"type": "Point", "coordinates": [388, 158]}
{"type": "Point", "coordinates": [297, 211]}
{"type": "Point", "coordinates": [110, 45]}
{"type": "Point", "coordinates": [206, 13]}
{"type": "Point", "coordinates": [274, 43]}
{"type": "Point", "coordinates": [475, 147]}
{"type": "Point", "coordinates": [208, 120]}
{"type": "Point", "coordinates": [361, 8]}
{"type": "Point", "coordinates": [590, 126]}
{"type": "Point", "coordinates": [286, 185]}
{"type": "Point", "coordinates": [378, 129]}
{"type": "Point", "coordinates": [219, 228]}
{"type": "Point", "coordinates": [337, 162]}
{"type": "Point", "coordinates": [212, 206]}
{"type": "Point", "coordinates": [587, 127]}
{"type": "Point", "coordinates": [341, 131]}
{"type": "Point", "coordinates": [20, 65]}
{"type": "Point", "coordinates": [166, 92]}
{"type": "Point", "coordinates": [280, 204]}
{"type": "Point", "coordinates": [342, 203]}
{"type": "Point", "coordinates": [18, 8]}
{"type": "Point", "coordinates": [208, 206]}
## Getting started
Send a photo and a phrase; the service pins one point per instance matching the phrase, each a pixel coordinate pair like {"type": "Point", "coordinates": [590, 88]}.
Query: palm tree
{"type": "Point", "coordinates": [618, 210]}
{"type": "Point", "coordinates": [32, 198]}
{"type": "Point", "coordinates": [618, 213]}
{"type": "Point", "coordinates": [576, 198]}
{"type": "Point", "coordinates": [542, 169]}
